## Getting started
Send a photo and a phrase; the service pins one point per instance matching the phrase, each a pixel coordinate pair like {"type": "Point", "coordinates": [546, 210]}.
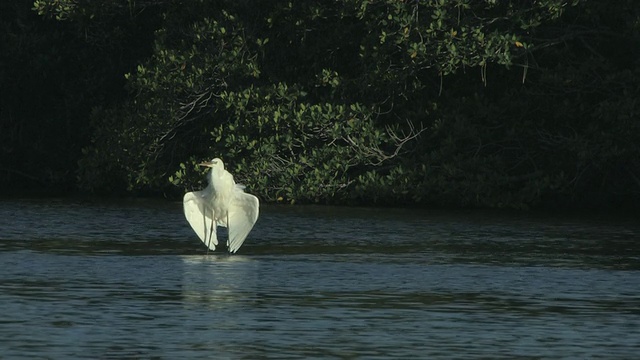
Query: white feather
{"type": "Point", "coordinates": [222, 203]}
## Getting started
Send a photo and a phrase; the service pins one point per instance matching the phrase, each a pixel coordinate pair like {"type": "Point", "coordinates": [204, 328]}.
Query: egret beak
{"type": "Point", "coordinates": [206, 163]}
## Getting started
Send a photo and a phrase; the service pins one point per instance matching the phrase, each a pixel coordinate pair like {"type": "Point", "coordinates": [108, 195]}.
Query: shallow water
{"type": "Point", "coordinates": [130, 280]}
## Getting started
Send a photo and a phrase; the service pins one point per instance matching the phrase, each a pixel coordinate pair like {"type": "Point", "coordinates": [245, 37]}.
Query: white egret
{"type": "Point", "coordinates": [221, 203]}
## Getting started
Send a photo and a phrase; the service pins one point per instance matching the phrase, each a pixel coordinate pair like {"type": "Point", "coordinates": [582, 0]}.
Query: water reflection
{"type": "Point", "coordinates": [217, 281]}
{"type": "Point", "coordinates": [130, 280]}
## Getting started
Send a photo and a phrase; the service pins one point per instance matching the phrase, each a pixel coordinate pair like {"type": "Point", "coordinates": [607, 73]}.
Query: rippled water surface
{"type": "Point", "coordinates": [123, 280]}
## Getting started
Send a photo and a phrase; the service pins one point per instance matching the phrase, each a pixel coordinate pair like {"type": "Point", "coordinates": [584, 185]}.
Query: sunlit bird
{"type": "Point", "coordinates": [221, 203]}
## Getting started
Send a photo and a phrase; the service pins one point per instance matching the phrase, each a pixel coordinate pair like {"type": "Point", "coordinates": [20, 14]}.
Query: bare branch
{"type": "Point", "coordinates": [377, 156]}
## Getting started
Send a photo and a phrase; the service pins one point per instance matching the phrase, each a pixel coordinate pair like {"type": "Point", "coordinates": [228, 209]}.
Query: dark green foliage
{"type": "Point", "coordinates": [36, 121]}
{"type": "Point", "coordinates": [51, 76]}
{"type": "Point", "coordinates": [456, 103]}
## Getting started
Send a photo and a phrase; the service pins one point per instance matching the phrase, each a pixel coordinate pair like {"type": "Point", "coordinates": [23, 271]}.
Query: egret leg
{"type": "Point", "coordinates": [228, 239]}
{"type": "Point", "coordinates": [210, 232]}
{"type": "Point", "coordinates": [209, 241]}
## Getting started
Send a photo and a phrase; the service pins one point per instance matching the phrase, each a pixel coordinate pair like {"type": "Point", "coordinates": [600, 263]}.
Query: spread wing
{"type": "Point", "coordinates": [243, 214]}
{"type": "Point", "coordinates": [200, 217]}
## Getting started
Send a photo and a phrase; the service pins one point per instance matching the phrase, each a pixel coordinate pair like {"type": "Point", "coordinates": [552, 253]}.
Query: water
{"type": "Point", "coordinates": [128, 280]}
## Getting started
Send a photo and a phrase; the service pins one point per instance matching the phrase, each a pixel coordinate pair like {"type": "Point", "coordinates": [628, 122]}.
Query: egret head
{"type": "Point", "coordinates": [215, 163]}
